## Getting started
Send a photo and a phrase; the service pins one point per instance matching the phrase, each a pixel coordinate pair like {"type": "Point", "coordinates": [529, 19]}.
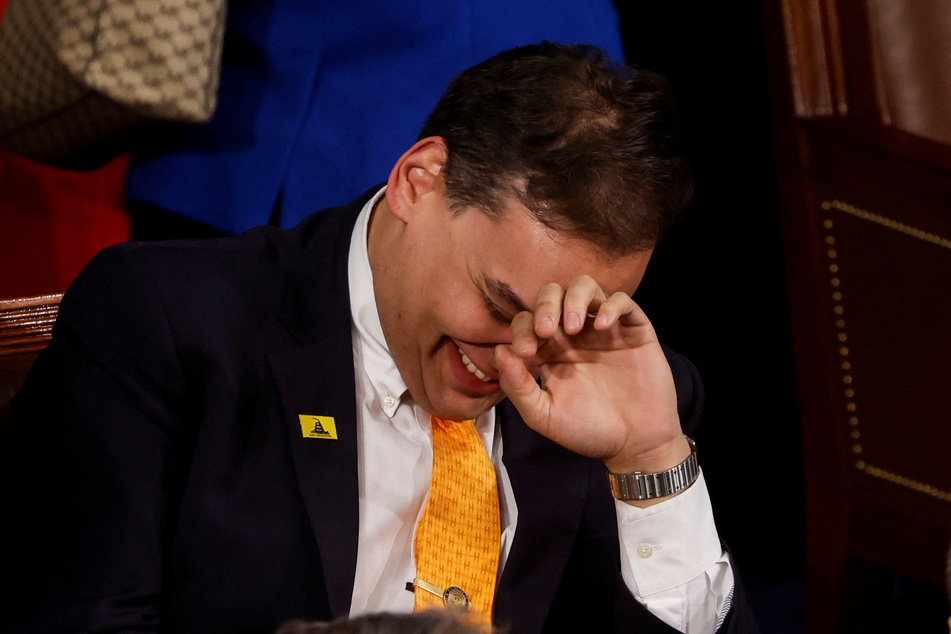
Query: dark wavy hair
{"type": "Point", "coordinates": [586, 145]}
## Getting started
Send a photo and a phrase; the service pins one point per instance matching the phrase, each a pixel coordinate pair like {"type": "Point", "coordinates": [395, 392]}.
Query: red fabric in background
{"type": "Point", "coordinates": [53, 221]}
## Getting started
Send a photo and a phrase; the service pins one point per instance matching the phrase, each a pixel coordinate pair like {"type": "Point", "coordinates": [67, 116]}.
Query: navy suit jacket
{"type": "Point", "coordinates": [155, 476]}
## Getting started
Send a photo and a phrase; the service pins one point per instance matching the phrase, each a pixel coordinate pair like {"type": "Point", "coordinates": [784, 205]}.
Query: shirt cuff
{"type": "Point", "coordinates": [666, 545]}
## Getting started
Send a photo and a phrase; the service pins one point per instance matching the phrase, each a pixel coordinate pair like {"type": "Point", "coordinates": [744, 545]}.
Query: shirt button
{"type": "Point", "coordinates": [388, 401]}
{"type": "Point", "coordinates": [644, 551]}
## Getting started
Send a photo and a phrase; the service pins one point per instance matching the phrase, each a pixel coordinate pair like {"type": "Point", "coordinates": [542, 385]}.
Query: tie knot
{"type": "Point", "coordinates": [454, 429]}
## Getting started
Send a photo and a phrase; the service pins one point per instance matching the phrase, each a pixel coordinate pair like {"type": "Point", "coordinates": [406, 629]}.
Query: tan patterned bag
{"type": "Point", "coordinates": [77, 76]}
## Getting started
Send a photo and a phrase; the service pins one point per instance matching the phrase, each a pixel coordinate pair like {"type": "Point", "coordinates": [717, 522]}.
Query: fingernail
{"type": "Point", "coordinates": [572, 321]}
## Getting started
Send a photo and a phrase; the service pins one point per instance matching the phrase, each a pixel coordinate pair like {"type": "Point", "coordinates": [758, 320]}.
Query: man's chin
{"type": "Point", "coordinates": [460, 407]}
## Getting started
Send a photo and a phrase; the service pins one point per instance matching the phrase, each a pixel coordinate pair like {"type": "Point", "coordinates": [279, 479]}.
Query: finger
{"type": "Point", "coordinates": [617, 307]}
{"type": "Point", "coordinates": [547, 309]}
{"type": "Point", "coordinates": [519, 385]}
{"type": "Point", "coordinates": [583, 299]}
{"type": "Point", "coordinates": [631, 313]}
{"type": "Point", "coordinates": [524, 340]}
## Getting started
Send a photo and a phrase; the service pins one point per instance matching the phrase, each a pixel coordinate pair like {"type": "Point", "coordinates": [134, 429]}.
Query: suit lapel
{"type": "Point", "coordinates": [318, 381]}
{"type": "Point", "coordinates": [312, 364]}
{"type": "Point", "coordinates": [550, 484]}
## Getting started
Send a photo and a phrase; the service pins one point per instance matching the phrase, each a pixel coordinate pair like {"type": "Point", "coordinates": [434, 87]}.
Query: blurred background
{"type": "Point", "coordinates": [809, 282]}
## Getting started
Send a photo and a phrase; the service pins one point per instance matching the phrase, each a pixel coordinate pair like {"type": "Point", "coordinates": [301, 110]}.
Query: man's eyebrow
{"type": "Point", "coordinates": [502, 292]}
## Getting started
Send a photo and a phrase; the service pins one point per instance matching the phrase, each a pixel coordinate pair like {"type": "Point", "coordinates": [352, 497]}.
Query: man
{"type": "Point", "coordinates": [226, 435]}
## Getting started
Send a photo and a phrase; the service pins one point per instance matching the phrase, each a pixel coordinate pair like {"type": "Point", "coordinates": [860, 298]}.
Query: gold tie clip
{"type": "Point", "coordinates": [454, 596]}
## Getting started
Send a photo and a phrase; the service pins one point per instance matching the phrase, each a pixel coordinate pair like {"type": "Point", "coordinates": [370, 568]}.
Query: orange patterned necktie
{"type": "Point", "coordinates": [457, 540]}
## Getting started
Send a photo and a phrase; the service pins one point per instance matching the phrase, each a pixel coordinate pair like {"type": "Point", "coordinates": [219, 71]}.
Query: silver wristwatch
{"type": "Point", "coordinates": [646, 486]}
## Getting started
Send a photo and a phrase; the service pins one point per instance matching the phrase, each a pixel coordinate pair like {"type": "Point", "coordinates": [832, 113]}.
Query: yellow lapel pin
{"type": "Point", "coordinates": [317, 427]}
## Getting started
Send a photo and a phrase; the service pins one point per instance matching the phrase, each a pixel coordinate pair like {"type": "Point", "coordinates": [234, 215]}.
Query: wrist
{"type": "Point", "coordinates": [665, 457]}
{"type": "Point", "coordinates": [645, 487]}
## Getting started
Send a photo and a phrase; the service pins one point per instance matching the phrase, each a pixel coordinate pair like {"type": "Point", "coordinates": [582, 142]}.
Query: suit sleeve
{"type": "Point", "coordinates": [595, 594]}
{"type": "Point", "coordinates": [690, 402]}
{"type": "Point", "coordinates": [92, 461]}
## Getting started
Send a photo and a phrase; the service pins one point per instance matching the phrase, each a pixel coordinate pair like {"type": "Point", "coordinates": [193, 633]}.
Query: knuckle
{"type": "Point", "coordinates": [619, 299]}
{"type": "Point", "coordinates": [550, 292]}
{"type": "Point", "coordinates": [584, 280]}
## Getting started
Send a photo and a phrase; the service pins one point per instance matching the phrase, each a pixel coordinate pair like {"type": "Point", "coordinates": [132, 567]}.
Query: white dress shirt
{"type": "Point", "coordinates": [670, 553]}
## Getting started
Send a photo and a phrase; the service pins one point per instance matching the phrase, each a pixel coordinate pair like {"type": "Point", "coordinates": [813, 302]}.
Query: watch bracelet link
{"type": "Point", "coordinates": [647, 486]}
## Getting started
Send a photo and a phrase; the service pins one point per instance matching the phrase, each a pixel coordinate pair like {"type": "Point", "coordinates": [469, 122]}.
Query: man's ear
{"type": "Point", "coordinates": [417, 173]}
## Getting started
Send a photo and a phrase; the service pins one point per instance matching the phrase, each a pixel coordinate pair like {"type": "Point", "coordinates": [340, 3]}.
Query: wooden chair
{"type": "Point", "coordinates": [868, 248]}
{"type": "Point", "coordinates": [26, 325]}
